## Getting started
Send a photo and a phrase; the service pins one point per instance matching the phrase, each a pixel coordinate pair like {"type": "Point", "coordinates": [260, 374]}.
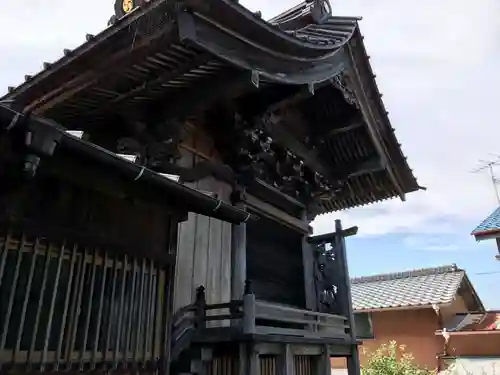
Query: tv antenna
{"type": "Point", "coordinates": [487, 165]}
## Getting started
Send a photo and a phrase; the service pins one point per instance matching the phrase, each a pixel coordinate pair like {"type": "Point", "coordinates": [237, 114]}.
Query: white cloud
{"type": "Point", "coordinates": [436, 63]}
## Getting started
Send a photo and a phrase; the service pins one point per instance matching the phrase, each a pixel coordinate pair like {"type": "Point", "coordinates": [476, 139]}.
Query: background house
{"type": "Point", "coordinates": [489, 229]}
{"type": "Point", "coordinates": [413, 308]}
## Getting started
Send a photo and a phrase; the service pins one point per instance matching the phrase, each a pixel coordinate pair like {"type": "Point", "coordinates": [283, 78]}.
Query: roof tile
{"type": "Point", "coordinates": [421, 287]}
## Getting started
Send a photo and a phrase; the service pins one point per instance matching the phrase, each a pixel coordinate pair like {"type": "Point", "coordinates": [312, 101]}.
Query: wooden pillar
{"type": "Point", "coordinates": [238, 258]}
{"type": "Point", "coordinates": [254, 361]}
{"type": "Point", "coordinates": [308, 267]}
{"type": "Point", "coordinates": [243, 359]}
{"type": "Point", "coordinates": [287, 362]}
{"type": "Point", "coordinates": [353, 365]}
{"type": "Point", "coordinates": [249, 361]}
{"type": "Point", "coordinates": [323, 364]}
{"type": "Point", "coordinates": [248, 310]}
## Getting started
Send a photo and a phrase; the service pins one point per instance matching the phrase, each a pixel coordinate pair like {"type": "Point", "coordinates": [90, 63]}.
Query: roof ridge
{"type": "Point", "coordinates": [406, 274]}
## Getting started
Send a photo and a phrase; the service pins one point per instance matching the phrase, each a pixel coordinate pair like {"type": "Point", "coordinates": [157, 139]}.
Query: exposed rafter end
{"type": "Point", "coordinates": [76, 133]}
{"type": "Point", "coordinates": [255, 78]}
{"type": "Point", "coordinates": [311, 88]}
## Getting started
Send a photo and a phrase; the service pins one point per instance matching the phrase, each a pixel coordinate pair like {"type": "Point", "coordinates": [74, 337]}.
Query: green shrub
{"type": "Point", "coordinates": [391, 359]}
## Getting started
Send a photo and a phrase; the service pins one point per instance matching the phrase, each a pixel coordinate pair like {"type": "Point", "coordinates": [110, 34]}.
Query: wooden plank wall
{"type": "Point", "coordinates": [204, 244]}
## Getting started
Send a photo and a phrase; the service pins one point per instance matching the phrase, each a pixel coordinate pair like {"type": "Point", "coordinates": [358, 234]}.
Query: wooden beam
{"type": "Point", "coordinates": [272, 212]}
{"type": "Point", "coordinates": [268, 193]}
{"type": "Point", "coordinates": [354, 124]}
{"type": "Point", "coordinates": [330, 237]}
{"type": "Point", "coordinates": [368, 165]}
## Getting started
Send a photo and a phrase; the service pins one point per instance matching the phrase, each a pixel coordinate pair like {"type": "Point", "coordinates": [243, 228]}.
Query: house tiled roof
{"type": "Point", "coordinates": [422, 287]}
{"type": "Point", "coordinates": [489, 225]}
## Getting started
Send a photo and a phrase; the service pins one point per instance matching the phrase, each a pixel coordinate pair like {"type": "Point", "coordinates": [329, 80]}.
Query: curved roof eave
{"type": "Point", "coordinates": [244, 52]}
{"type": "Point", "coordinates": [307, 55]}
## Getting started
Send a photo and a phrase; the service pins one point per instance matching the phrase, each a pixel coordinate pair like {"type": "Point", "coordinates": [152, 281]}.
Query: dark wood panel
{"type": "Point", "coordinates": [141, 228]}
{"type": "Point", "coordinates": [274, 262]}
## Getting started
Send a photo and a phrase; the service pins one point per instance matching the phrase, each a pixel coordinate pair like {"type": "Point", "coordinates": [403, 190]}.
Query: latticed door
{"type": "Point", "coordinates": [65, 305]}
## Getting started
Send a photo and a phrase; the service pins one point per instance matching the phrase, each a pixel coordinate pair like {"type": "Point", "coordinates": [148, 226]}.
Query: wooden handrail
{"type": "Point", "coordinates": [225, 305]}
{"type": "Point", "coordinates": [182, 311]}
{"type": "Point", "coordinates": [298, 311]}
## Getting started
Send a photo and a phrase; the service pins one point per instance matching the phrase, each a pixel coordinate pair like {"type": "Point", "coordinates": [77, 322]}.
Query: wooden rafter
{"type": "Point", "coordinates": [162, 78]}
{"type": "Point", "coordinates": [105, 71]}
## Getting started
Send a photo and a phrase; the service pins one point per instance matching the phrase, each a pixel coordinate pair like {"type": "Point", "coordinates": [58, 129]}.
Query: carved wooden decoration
{"type": "Point", "coordinates": [341, 82]}
{"type": "Point", "coordinates": [324, 278]}
{"type": "Point", "coordinates": [259, 156]}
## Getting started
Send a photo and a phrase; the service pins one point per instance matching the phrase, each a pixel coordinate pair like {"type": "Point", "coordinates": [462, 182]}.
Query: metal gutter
{"type": "Point", "coordinates": [56, 136]}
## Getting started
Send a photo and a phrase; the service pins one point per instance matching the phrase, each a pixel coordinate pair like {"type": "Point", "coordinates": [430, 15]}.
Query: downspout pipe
{"type": "Point", "coordinates": [49, 135]}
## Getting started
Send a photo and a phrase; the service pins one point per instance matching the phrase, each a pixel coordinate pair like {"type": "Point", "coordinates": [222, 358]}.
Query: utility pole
{"type": "Point", "coordinates": [487, 165]}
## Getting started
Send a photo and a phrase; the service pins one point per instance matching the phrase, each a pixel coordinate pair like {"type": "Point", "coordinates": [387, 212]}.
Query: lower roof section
{"type": "Point", "coordinates": [411, 289]}
{"type": "Point", "coordinates": [47, 137]}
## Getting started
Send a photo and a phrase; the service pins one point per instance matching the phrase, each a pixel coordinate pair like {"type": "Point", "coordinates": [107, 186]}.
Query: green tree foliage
{"type": "Point", "coordinates": [391, 359]}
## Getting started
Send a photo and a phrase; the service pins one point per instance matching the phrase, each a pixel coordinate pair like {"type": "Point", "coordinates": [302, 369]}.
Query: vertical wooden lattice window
{"type": "Point", "coordinates": [268, 365]}
{"type": "Point", "coordinates": [64, 305]}
{"type": "Point", "coordinates": [303, 364]}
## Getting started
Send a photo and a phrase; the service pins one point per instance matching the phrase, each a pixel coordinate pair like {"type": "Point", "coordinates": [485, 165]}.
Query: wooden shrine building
{"type": "Point", "coordinates": [158, 183]}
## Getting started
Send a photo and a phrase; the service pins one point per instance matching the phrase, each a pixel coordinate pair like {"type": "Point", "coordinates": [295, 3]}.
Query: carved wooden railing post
{"type": "Point", "coordinates": [248, 309]}
{"type": "Point", "coordinates": [200, 303]}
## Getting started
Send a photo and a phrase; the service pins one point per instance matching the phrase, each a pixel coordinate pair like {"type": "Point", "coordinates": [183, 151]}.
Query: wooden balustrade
{"type": "Point", "coordinates": [259, 317]}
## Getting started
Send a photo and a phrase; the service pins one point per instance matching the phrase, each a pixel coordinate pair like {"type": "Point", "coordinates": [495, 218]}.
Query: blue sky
{"type": "Point", "coordinates": [389, 253]}
{"type": "Point", "coordinates": [436, 64]}
{"type": "Point", "coordinates": [401, 249]}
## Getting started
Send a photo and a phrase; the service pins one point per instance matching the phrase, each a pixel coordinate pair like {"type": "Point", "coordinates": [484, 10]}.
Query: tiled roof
{"type": "Point", "coordinates": [145, 63]}
{"type": "Point", "coordinates": [489, 225]}
{"type": "Point", "coordinates": [422, 287]}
